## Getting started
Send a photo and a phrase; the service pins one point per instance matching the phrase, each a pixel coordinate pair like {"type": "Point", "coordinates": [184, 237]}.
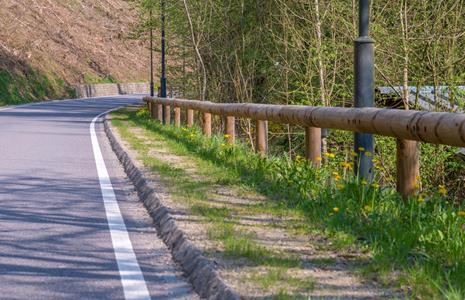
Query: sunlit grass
{"type": "Point", "coordinates": [423, 237]}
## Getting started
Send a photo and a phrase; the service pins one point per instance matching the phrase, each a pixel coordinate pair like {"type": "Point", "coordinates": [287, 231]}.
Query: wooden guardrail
{"type": "Point", "coordinates": [408, 126]}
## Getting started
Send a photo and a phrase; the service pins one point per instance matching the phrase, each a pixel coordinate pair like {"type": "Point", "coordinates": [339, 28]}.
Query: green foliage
{"type": "Point", "coordinates": [31, 86]}
{"type": "Point", "coordinates": [92, 79]}
{"type": "Point", "coordinates": [271, 50]}
{"type": "Point", "coordinates": [423, 237]}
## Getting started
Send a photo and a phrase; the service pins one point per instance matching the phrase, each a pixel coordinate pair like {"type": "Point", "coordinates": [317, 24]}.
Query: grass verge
{"type": "Point", "coordinates": [421, 239]}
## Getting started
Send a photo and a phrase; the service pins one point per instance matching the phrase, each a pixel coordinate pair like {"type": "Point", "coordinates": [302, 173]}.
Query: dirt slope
{"type": "Point", "coordinates": [74, 40]}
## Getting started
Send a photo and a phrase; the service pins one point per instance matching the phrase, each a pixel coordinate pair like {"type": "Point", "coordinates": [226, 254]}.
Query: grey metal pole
{"type": "Point", "coordinates": [152, 92]}
{"type": "Point", "coordinates": [163, 66]}
{"type": "Point", "coordinates": [364, 89]}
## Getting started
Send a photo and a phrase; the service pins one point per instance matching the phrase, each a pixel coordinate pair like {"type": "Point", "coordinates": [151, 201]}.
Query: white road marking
{"type": "Point", "coordinates": [65, 100]}
{"type": "Point", "coordinates": [134, 285]}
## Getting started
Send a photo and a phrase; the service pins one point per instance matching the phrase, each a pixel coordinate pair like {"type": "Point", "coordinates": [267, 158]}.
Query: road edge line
{"type": "Point", "coordinates": [199, 270]}
{"type": "Point", "coordinates": [132, 278]}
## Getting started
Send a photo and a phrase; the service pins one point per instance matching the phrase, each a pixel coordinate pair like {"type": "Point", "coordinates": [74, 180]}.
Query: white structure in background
{"type": "Point", "coordinates": [430, 98]}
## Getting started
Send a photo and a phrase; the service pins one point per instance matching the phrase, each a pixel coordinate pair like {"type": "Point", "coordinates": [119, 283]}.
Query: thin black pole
{"type": "Point", "coordinates": [364, 89]}
{"type": "Point", "coordinates": [163, 66]}
{"type": "Point", "coordinates": [152, 93]}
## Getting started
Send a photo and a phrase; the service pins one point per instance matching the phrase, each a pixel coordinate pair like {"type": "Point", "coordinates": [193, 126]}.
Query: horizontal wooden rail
{"type": "Point", "coordinates": [407, 126]}
{"type": "Point", "coordinates": [429, 127]}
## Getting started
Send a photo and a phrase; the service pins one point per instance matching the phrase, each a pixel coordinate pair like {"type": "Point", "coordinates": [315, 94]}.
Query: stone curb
{"type": "Point", "coordinates": [200, 271]}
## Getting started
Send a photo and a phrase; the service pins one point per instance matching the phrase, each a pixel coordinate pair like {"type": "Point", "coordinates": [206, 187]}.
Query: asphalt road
{"type": "Point", "coordinates": [68, 231]}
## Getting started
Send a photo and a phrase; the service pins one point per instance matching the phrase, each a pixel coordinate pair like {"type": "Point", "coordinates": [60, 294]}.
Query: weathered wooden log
{"type": "Point", "coordinates": [190, 118]}
{"type": "Point", "coordinates": [429, 127]}
{"type": "Point", "coordinates": [153, 111]}
{"type": "Point", "coordinates": [160, 112]}
{"type": "Point", "coordinates": [261, 137]}
{"type": "Point", "coordinates": [177, 116]}
{"type": "Point", "coordinates": [207, 124]}
{"type": "Point", "coordinates": [408, 167]}
{"type": "Point", "coordinates": [167, 116]}
{"type": "Point", "coordinates": [313, 145]}
{"type": "Point", "coordinates": [149, 107]}
{"type": "Point", "coordinates": [230, 129]}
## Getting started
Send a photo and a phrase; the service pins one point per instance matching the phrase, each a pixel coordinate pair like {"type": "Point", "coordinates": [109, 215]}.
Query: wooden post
{"type": "Point", "coordinates": [149, 107]}
{"type": "Point", "coordinates": [153, 110]}
{"type": "Point", "coordinates": [408, 166]}
{"type": "Point", "coordinates": [160, 112]}
{"type": "Point", "coordinates": [313, 145]}
{"type": "Point", "coordinates": [190, 118]}
{"type": "Point", "coordinates": [261, 137]}
{"type": "Point", "coordinates": [230, 129]}
{"type": "Point", "coordinates": [167, 115]}
{"type": "Point", "coordinates": [207, 124]}
{"type": "Point", "coordinates": [177, 116]}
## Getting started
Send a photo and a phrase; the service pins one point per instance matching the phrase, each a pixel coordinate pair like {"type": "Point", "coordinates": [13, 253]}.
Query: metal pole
{"type": "Point", "coordinates": [152, 92]}
{"type": "Point", "coordinates": [163, 66]}
{"type": "Point", "coordinates": [364, 89]}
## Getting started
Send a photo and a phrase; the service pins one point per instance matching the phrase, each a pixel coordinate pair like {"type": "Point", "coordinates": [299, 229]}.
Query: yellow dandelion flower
{"type": "Point", "coordinates": [364, 182]}
{"type": "Point", "coordinates": [461, 213]}
{"type": "Point", "coordinates": [361, 149]}
{"type": "Point", "coordinates": [442, 190]}
{"type": "Point", "coordinates": [319, 158]}
{"type": "Point", "coordinates": [346, 165]}
{"type": "Point", "coordinates": [227, 136]}
{"type": "Point", "coordinates": [330, 155]}
{"type": "Point", "coordinates": [375, 186]}
{"type": "Point", "coordinates": [223, 145]}
{"type": "Point", "coordinates": [340, 187]}
{"type": "Point", "coordinates": [336, 209]}
{"type": "Point", "coordinates": [368, 154]}
{"type": "Point", "coordinates": [354, 154]}
{"type": "Point", "coordinates": [337, 178]}
{"type": "Point", "coordinates": [421, 199]}
{"type": "Point", "coordinates": [335, 174]}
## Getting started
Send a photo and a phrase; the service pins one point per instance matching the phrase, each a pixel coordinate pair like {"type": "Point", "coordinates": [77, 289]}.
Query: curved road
{"type": "Point", "coordinates": [71, 226]}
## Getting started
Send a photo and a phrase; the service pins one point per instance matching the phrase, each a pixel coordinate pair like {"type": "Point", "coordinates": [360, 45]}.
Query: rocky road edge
{"type": "Point", "coordinates": [200, 271]}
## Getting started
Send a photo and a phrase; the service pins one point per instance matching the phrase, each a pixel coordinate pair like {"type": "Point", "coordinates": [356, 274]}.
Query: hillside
{"type": "Point", "coordinates": [48, 45]}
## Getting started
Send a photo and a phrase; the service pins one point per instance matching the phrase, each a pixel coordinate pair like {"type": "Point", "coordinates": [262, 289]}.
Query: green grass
{"type": "Point", "coordinates": [93, 79]}
{"type": "Point", "coordinates": [423, 238]}
{"type": "Point", "coordinates": [278, 275]}
{"type": "Point", "coordinates": [211, 213]}
{"type": "Point", "coordinates": [18, 87]}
